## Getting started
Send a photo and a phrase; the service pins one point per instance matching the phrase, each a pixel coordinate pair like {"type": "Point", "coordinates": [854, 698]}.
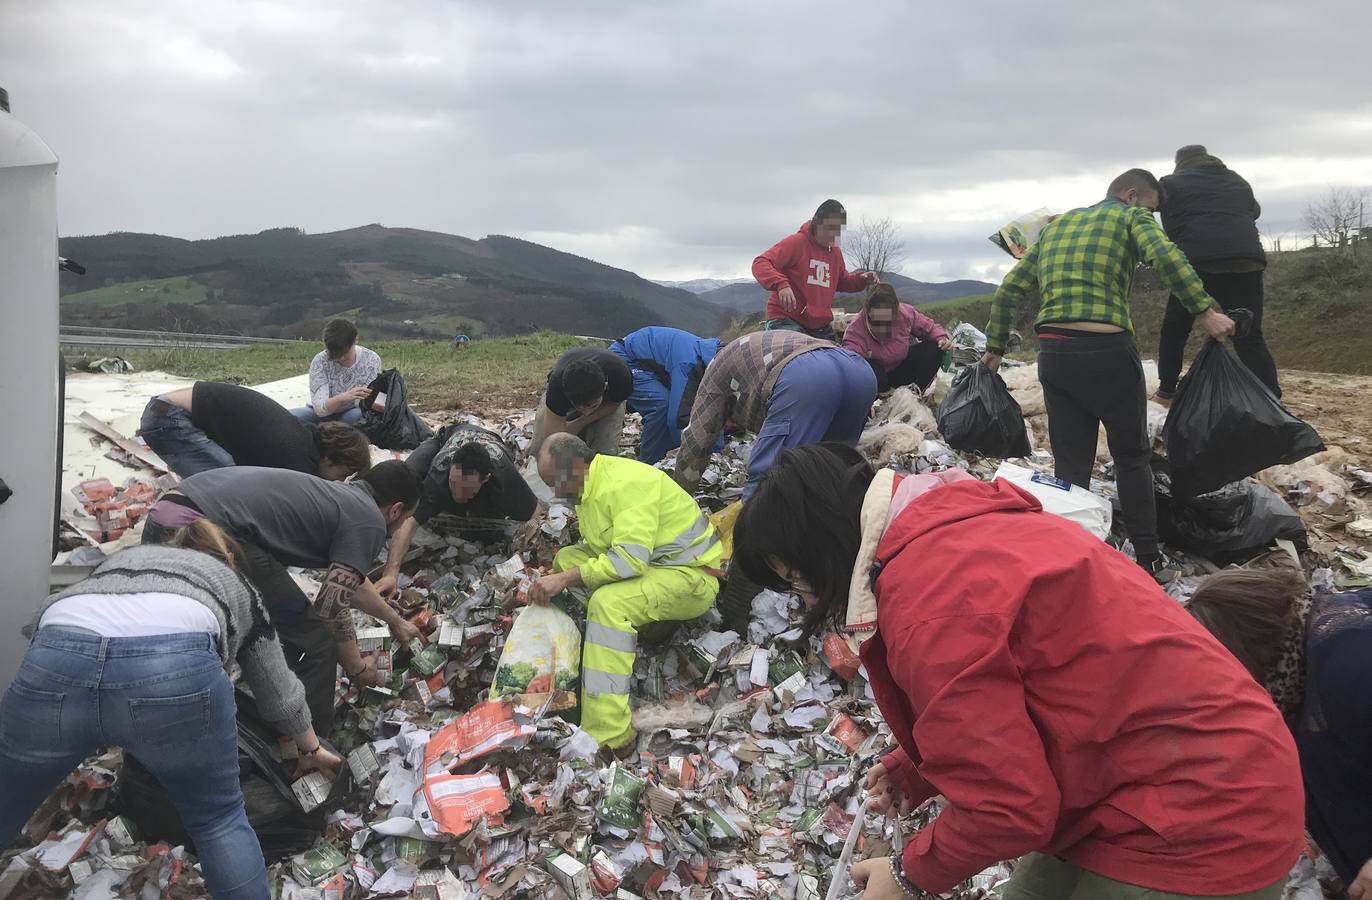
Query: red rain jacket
{"type": "Point", "coordinates": [812, 271]}
{"type": "Point", "coordinates": [1063, 703]}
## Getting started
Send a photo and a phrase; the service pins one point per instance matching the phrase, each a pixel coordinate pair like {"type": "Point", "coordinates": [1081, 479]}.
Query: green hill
{"type": "Point", "coordinates": [399, 282]}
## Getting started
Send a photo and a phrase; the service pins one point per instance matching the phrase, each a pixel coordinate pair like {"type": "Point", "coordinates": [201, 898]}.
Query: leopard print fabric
{"type": "Point", "coordinates": [1286, 684]}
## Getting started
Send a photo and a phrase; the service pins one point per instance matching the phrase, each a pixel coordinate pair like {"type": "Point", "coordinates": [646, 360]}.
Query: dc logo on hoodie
{"type": "Point", "coordinates": [819, 273]}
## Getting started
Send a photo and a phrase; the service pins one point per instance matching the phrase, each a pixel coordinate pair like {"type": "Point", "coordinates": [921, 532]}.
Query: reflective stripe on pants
{"type": "Point", "coordinates": [615, 613]}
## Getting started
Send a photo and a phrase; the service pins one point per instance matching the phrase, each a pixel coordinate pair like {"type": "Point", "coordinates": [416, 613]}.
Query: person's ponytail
{"type": "Point", "coordinates": [207, 537]}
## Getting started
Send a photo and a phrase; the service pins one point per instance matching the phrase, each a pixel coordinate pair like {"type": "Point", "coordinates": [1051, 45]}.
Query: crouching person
{"type": "Point", "coordinates": [135, 657]}
{"type": "Point", "coordinates": [647, 555]}
{"type": "Point", "coordinates": [1070, 711]}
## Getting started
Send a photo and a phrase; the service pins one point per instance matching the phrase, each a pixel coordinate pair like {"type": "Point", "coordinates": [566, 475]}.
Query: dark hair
{"type": "Point", "coordinates": [392, 482]}
{"type": "Point", "coordinates": [473, 458]}
{"type": "Point", "coordinates": [339, 335]}
{"type": "Point", "coordinates": [1135, 179]}
{"type": "Point", "coordinates": [1250, 613]}
{"type": "Point", "coordinates": [806, 515]}
{"type": "Point", "coordinates": [829, 209]}
{"type": "Point", "coordinates": [881, 295]}
{"type": "Point", "coordinates": [1189, 151]}
{"type": "Point", "coordinates": [583, 381]}
{"type": "Point", "coordinates": [344, 444]}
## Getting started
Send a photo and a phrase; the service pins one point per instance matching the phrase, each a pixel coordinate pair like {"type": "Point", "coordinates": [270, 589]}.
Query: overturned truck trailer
{"type": "Point", "coordinates": [28, 378]}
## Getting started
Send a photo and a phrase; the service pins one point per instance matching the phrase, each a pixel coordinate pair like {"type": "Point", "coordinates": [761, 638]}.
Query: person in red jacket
{"type": "Point", "coordinates": [804, 270]}
{"type": "Point", "coordinates": [1069, 711]}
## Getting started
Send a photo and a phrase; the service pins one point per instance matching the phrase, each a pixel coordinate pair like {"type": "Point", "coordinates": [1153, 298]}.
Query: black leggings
{"type": "Point", "coordinates": [1231, 290]}
{"type": "Point", "coordinates": [919, 367]}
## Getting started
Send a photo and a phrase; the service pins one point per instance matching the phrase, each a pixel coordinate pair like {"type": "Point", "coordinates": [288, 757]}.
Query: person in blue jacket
{"type": "Point", "coordinates": [667, 364]}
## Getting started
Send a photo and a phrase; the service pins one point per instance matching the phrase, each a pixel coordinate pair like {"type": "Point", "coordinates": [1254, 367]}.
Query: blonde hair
{"type": "Point", "coordinates": [209, 538]}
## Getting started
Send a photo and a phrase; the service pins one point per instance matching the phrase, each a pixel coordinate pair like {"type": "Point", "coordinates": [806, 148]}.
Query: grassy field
{"type": "Point", "coordinates": [178, 289]}
{"type": "Point", "coordinates": [506, 373]}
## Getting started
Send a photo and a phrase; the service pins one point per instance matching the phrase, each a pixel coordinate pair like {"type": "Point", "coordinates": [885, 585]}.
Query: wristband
{"type": "Point", "coordinates": [357, 673]}
{"type": "Point", "coordinates": [904, 883]}
{"type": "Point", "coordinates": [317, 748]}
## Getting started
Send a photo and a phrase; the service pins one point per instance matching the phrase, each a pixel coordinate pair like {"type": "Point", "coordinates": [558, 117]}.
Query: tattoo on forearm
{"type": "Point", "coordinates": [335, 601]}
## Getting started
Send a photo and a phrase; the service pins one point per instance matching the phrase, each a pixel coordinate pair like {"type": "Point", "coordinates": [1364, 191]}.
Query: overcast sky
{"type": "Point", "coordinates": [677, 139]}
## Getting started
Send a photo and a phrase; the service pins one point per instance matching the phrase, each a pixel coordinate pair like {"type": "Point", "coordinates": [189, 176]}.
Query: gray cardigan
{"type": "Point", "coordinates": [246, 634]}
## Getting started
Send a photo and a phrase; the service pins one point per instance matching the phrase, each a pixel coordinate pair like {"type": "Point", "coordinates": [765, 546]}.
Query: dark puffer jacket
{"type": "Point", "coordinates": [1210, 213]}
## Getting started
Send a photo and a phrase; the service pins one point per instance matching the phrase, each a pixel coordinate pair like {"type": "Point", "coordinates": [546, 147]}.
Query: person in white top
{"type": "Point", "coordinates": [340, 376]}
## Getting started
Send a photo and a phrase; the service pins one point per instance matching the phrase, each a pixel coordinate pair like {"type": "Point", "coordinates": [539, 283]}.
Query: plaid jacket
{"type": "Point", "coordinates": [1083, 264]}
{"type": "Point", "coordinates": [737, 384]}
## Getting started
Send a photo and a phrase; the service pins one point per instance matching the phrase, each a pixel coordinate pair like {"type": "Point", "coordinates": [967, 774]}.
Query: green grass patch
{"type": "Point", "coordinates": [178, 289]}
{"type": "Point", "coordinates": [490, 373]}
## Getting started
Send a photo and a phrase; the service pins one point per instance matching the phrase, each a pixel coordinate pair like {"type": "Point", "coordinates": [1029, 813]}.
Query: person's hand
{"type": "Point", "coordinates": [992, 361]}
{"type": "Point", "coordinates": [386, 585]}
{"type": "Point", "coordinates": [367, 676]}
{"type": "Point", "coordinates": [871, 278]}
{"type": "Point", "coordinates": [1361, 888]}
{"type": "Point", "coordinates": [545, 588]}
{"type": "Point", "coordinates": [787, 298]}
{"type": "Point", "coordinates": [1217, 324]}
{"type": "Point", "coordinates": [322, 760]}
{"type": "Point", "coordinates": [945, 344]}
{"type": "Point", "coordinates": [405, 631]}
{"type": "Point", "coordinates": [883, 795]}
{"type": "Point", "coordinates": [873, 877]}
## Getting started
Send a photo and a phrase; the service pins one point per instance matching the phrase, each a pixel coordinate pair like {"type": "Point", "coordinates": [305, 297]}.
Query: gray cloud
{"type": "Point", "coordinates": [674, 139]}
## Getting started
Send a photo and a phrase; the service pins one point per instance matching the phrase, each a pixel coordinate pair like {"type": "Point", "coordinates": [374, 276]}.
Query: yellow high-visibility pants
{"type": "Point", "coordinates": [613, 617]}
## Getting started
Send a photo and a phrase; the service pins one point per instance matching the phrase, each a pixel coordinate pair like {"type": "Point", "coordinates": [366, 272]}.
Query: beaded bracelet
{"type": "Point", "coordinates": [905, 884]}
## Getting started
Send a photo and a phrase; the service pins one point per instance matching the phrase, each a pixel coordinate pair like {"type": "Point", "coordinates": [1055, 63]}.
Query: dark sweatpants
{"type": "Point", "coordinates": [1231, 290]}
{"type": "Point", "coordinates": [918, 368]}
{"type": "Point", "coordinates": [1091, 380]}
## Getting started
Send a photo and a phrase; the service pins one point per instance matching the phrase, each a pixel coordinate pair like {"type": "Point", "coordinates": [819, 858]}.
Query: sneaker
{"type": "Point", "coordinates": [1163, 570]}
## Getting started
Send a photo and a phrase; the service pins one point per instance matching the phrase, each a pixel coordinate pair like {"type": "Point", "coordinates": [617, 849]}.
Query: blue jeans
{"type": "Point", "coordinates": [823, 395]}
{"type": "Point", "coordinates": [167, 701]}
{"type": "Point", "coordinates": [350, 416]}
{"type": "Point", "coordinates": [827, 332]}
{"type": "Point", "coordinates": [172, 435]}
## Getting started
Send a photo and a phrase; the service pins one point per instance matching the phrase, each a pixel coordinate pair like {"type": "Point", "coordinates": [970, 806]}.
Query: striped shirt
{"type": "Point", "coordinates": [1083, 264]}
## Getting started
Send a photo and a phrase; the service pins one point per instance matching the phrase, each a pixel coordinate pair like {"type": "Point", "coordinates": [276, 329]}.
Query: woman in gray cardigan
{"type": "Point", "coordinates": [136, 656]}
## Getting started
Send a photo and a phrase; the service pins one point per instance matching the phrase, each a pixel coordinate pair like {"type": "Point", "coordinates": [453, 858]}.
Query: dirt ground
{"type": "Point", "coordinates": [1338, 406]}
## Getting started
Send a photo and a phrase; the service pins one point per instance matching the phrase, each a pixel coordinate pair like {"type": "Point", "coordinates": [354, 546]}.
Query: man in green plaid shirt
{"type": "Point", "coordinates": [1083, 264]}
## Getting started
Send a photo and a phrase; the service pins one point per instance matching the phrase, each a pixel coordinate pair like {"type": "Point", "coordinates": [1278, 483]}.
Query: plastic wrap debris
{"type": "Point", "coordinates": [1018, 235]}
{"type": "Point", "coordinates": [1070, 501]}
{"type": "Point", "coordinates": [542, 659]}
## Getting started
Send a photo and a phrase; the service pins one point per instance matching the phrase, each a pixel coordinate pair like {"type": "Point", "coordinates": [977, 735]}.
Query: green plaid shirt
{"type": "Point", "coordinates": [1083, 264]}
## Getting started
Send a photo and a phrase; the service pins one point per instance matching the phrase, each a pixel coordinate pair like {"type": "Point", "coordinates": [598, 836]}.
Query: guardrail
{"type": "Point", "coordinates": [88, 336]}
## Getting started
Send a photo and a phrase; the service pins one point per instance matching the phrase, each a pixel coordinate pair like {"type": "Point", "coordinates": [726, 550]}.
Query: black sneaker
{"type": "Point", "coordinates": [1164, 396]}
{"type": "Point", "coordinates": [1163, 570]}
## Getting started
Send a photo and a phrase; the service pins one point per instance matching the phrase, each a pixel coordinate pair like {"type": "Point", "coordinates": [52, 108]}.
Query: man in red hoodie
{"type": "Point", "coordinates": [803, 272]}
{"type": "Point", "coordinates": [1070, 712]}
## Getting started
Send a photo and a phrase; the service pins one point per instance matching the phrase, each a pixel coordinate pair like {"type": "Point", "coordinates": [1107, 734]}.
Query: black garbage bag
{"type": "Point", "coordinates": [1226, 425]}
{"type": "Point", "coordinates": [980, 416]}
{"type": "Point", "coordinates": [283, 826]}
{"type": "Point", "coordinates": [397, 427]}
{"type": "Point", "coordinates": [1229, 525]}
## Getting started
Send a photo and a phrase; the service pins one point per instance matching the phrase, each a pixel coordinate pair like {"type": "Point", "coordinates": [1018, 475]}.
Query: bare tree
{"type": "Point", "coordinates": [875, 245]}
{"type": "Point", "coordinates": [1337, 216]}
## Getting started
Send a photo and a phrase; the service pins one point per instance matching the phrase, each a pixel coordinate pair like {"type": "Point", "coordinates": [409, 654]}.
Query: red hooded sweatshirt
{"type": "Point", "coordinates": [1063, 703]}
{"type": "Point", "coordinates": [812, 271]}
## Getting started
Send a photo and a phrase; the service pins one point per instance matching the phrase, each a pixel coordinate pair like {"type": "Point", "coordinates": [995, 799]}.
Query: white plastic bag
{"type": "Point", "coordinates": [542, 655]}
{"type": "Point", "coordinates": [1067, 500]}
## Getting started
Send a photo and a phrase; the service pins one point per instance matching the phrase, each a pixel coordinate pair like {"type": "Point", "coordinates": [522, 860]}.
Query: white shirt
{"type": "Point", "coordinates": [329, 379]}
{"type": "Point", "coordinates": [131, 615]}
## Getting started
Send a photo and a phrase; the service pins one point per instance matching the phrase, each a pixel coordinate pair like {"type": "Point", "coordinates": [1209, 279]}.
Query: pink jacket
{"type": "Point", "coordinates": [888, 353]}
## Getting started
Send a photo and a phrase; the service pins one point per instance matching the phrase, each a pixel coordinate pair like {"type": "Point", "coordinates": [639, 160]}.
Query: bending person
{"type": "Point", "coordinates": [211, 426]}
{"type": "Point", "coordinates": [789, 389]}
{"type": "Point", "coordinates": [804, 271]}
{"type": "Point", "coordinates": [284, 518]}
{"type": "Point", "coordinates": [463, 471]}
{"type": "Point", "coordinates": [903, 345]}
{"type": "Point", "coordinates": [586, 392]}
{"type": "Point", "coordinates": [667, 364]}
{"type": "Point", "coordinates": [647, 554]}
{"type": "Point", "coordinates": [1068, 710]}
{"type": "Point", "coordinates": [136, 656]}
{"type": "Point", "coordinates": [1315, 658]}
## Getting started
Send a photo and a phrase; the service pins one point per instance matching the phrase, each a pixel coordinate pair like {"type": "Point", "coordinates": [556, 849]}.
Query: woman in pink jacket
{"type": "Point", "coordinates": [903, 345]}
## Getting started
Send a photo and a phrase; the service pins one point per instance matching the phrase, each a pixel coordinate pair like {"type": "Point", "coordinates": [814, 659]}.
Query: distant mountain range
{"type": "Point", "coordinates": [746, 296]}
{"type": "Point", "coordinates": [397, 282]}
